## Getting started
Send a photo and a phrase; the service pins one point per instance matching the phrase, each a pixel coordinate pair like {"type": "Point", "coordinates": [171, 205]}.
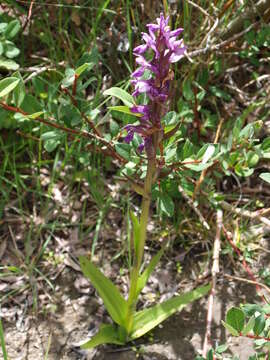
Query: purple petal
{"type": "Point", "coordinates": [153, 27]}
{"type": "Point", "coordinates": [140, 109]}
{"type": "Point", "coordinates": [129, 137]}
{"type": "Point", "coordinates": [140, 49]}
{"type": "Point", "coordinates": [176, 32]}
{"type": "Point", "coordinates": [138, 72]}
{"type": "Point", "coordinates": [141, 147]}
{"type": "Point", "coordinates": [177, 55]}
{"type": "Point", "coordinates": [141, 61]}
{"type": "Point", "coordinates": [143, 86]}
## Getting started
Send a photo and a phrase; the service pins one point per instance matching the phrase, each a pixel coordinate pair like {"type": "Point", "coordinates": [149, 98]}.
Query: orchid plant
{"type": "Point", "coordinates": [151, 82]}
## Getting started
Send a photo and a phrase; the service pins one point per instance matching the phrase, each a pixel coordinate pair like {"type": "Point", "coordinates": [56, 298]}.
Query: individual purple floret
{"type": "Point", "coordinates": [153, 77]}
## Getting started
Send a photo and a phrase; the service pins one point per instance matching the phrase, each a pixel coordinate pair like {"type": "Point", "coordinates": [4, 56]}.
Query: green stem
{"type": "Point", "coordinates": [135, 271]}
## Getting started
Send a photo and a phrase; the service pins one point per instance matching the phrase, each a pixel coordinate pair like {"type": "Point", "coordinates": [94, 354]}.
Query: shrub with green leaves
{"type": "Point", "coordinates": [250, 321]}
{"type": "Point", "coordinates": [8, 49]}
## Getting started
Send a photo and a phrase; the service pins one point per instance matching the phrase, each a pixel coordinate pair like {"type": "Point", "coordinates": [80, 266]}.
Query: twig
{"type": "Point", "coordinates": [246, 213]}
{"type": "Point", "coordinates": [201, 9]}
{"type": "Point", "coordinates": [191, 204]}
{"type": "Point", "coordinates": [35, 71]}
{"type": "Point", "coordinates": [235, 25]}
{"type": "Point", "coordinates": [29, 15]}
{"type": "Point", "coordinates": [73, 132]}
{"type": "Point", "coordinates": [224, 43]}
{"type": "Point", "coordinates": [215, 271]}
{"type": "Point", "coordinates": [247, 281]}
{"type": "Point", "coordinates": [244, 263]}
{"type": "Point", "coordinates": [74, 87]}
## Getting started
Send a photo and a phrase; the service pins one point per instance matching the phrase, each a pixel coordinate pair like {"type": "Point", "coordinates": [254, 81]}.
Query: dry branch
{"type": "Point", "coordinates": [215, 271]}
{"type": "Point", "coordinates": [236, 25]}
{"type": "Point", "coordinates": [245, 213]}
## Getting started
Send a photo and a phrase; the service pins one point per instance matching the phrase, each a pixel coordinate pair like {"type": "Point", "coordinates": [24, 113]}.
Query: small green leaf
{"type": "Point", "coordinates": [221, 348]}
{"type": "Point", "coordinates": [187, 90]}
{"type": "Point", "coordinates": [51, 144]}
{"type": "Point", "coordinates": [11, 50]}
{"type": "Point", "coordinates": [198, 167]}
{"type": "Point", "coordinates": [123, 150]}
{"type": "Point", "coordinates": [249, 326]}
{"type": "Point", "coordinates": [7, 85]}
{"type": "Point", "coordinates": [230, 328]}
{"type": "Point", "coordinates": [114, 127]}
{"type": "Point", "coordinates": [3, 27]}
{"type": "Point", "coordinates": [120, 94]}
{"type": "Point", "coordinates": [259, 325]}
{"type": "Point", "coordinates": [265, 177]}
{"type": "Point", "coordinates": [69, 78]}
{"type": "Point", "coordinates": [124, 109]}
{"type": "Point", "coordinates": [136, 232]}
{"type": "Point", "coordinates": [235, 317]}
{"type": "Point", "coordinates": [148, 271]}
{"type": "Point", "coordinates": [166, 204]}
{"type": "Point", "coordinates": [208, 153]}
{"type": "Point", "coordinates": [12, 29]}
{"type": "Point", "coordinates": [83, 67]}
{"type": "Point", "coordinates": [107, 334]}
{"type": "Point", "coordinates": [114, 302]}
{"type": "Point", "coordinates": [252, 158]}
{"type": "Point", "coordinates": [220, 93]}
{"type": "Point", "coordinates": [19, 91]}
{"type": "Point", "coordinates": [49, 135]}
{"type": "Point", "coordinates": [148, 319]}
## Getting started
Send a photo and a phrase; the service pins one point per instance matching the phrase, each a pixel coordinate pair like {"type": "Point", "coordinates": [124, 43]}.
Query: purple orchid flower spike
{"type": "Point", "coordinates": [165, 49]}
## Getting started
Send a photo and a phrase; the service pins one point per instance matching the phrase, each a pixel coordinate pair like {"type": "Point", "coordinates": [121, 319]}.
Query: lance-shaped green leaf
{"type": "Point", "coordinates": [120, 94]}
{"type": "Point", "coordinates": [83, 67]}
{"type": "Point", "coordinates": [136, 232]}
{"type": "Point", "coordinates": [7, 85]}
{"type": "Point", "coordinates": [148, 319]}
{"type": "Point", "coordinates": [114, 302]}
{"type": "Point", "coordinates": [124, 109]}
{"type": "Point", "coordinates": [107, 334]}
{"type": "Point", "coordinates": [148, 271]}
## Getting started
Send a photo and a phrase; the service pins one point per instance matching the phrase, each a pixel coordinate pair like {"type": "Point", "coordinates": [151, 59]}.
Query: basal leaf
{"type": "Point", "coordinates": [113, 300]}
{"type": "Point", "coordinates": [7, 85]}
{"type": "Point", "coordinates": [148, 319]}
{"type": "Point", "coordinates": [107, 334]}
{"type": "Point", "coordinates": [120, 94]}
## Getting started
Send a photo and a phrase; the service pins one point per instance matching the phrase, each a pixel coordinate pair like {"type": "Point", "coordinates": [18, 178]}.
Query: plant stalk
{"type": "Point", "coordinates": [135, 271]}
